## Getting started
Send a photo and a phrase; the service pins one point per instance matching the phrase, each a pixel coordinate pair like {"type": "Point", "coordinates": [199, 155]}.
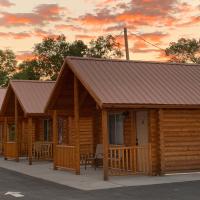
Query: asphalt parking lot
{"type": "Point", "coordinates": [36, 189]}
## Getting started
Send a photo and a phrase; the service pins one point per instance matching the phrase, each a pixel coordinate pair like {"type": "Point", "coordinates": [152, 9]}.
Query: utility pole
{"type": "Point", "coordinates": [126, 43]}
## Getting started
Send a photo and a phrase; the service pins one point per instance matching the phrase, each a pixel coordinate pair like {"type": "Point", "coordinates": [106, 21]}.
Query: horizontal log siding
{"type": "Point", "coordinates": [154, 140]}
{"type": "Point", "coordinates": [127, 131]}
{"type": "Point", "coordinates": [181, 135]}
{"type": "Point", "coordinates": [86, 134]}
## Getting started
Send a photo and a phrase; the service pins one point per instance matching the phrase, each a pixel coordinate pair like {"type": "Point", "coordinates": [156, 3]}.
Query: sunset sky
{"type": "Point", "coordinates": [25, 22]}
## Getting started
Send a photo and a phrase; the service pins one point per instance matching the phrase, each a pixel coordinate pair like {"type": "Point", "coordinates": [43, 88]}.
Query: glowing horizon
{"type": "Point", "coordinates": [24, 23]}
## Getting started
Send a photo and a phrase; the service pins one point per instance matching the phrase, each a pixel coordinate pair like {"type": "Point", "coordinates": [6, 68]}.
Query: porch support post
{"type": "Point", "coordinates": [76, 120]}
{"type": "Point", "coordinates": [30, 139]}
{"type": "Point", "coordinates": [5, 137]}
{"type": "Point", "coordinates": [105, 143]}
{"type": "Point", "coordinates": [161, 157]}
{"type": "Point", "coordinates": [55, 137]}
{"type": "Point", "coordinates": [16, 130]}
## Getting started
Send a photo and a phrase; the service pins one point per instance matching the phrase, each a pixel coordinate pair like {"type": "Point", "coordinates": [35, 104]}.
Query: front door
{"type": "Point", "coordinates": [142, 141]}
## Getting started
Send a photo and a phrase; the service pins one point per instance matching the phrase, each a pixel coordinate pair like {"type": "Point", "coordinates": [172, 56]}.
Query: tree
{"type": "Point", "coordinates": [7, 66]}
{"type": "Point", "coordinates": [27, 71]}
{"type": "Point", "coordinates": [184, 51]}
{"type": "Point", "coordinates": [51, 52]}
{"type": "Point", "coordinates": [104, 47]}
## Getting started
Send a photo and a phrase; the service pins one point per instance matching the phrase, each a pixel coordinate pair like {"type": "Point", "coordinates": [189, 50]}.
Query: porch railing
{"type": "Point", "coordinates": [125, 160]}
{"type": "Point", "coordinates": [65, 157]}
{"type": "Point", "coordinates": [43, 150]}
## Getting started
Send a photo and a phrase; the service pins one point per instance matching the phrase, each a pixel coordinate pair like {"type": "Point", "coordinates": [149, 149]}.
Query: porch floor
{"type": "Point", "coordinates": [90, 179]}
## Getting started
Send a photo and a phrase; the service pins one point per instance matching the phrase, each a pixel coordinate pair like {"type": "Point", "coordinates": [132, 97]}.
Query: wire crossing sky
{"type": "Point", "coordinates": [24, 23]}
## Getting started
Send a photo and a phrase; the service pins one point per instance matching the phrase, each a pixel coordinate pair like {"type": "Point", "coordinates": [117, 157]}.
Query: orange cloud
{"type": "Point", "coordinates": [192, 21]}
{"type": "Point", "coordinates": [43, 34]}
{"type": "Point", "coordinates": [42, 14]}
{"type": "Point", "coordinates": [137, 13]}
{"type": "Point", "coordinates": [25, 55]}
{"type": "Point", "coordinates": [17, 36]}
{"type": "Point", "coordinates": [85, 37]}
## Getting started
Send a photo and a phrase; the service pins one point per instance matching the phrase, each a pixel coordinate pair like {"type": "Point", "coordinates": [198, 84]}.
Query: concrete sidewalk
{"type": "Point", "coordinates": [90, 179]}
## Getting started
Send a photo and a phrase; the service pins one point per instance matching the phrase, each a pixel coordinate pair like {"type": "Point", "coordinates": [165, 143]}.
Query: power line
{"type": "Point", "coordinates": [147, 41]}
{"type": "Point", "coordinates": [119, 35]}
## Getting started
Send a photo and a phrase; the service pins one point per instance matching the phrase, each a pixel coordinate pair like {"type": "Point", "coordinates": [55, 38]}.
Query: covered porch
{"type": "Point", "coordinates": [82, 131]}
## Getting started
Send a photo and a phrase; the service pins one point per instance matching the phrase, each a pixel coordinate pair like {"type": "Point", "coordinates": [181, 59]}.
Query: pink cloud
{"type": "Point", "coordinates": [6, 3]}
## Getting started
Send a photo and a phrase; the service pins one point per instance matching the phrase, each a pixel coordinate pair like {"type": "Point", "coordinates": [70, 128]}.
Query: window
{"type": "Point", "coordinates": [11, 132]}
{"type": "Point", "coordinates": [116, 128]}
{"type": "Point", "coordinates": [47, 130]}
{"type": "Point", "coordinates": [60, 130]}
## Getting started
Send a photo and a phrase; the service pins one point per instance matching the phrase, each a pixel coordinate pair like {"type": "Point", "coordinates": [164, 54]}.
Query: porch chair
{"type": "Point", "coordinates": [95, 158]}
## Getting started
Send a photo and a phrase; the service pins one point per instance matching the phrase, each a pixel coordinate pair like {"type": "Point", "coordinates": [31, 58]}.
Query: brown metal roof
{"type": "Point", "coordinates": [136, 82]}
{"type": "Point", "coordinates": [32, 95]}
{"type": "Point", "coordinates": [2, 95]}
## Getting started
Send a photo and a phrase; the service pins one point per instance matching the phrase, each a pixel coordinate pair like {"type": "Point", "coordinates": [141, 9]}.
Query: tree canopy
{"type": "Point", "coordinates": [50, 53]}
{"type": "Point", "coordinates": [104, 47]}
{"type": "Point", "coordinates": [184, 51]}
{"type": "Point", "coordinates": [7, 66]}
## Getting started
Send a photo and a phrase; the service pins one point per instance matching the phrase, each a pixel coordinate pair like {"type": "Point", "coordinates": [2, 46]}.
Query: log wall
{"type": "Point", "coordinates": [181, 140]}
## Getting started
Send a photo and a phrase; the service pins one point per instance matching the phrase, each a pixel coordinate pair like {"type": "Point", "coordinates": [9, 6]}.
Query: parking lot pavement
{"type": "Point", "coordinates": [37, 189]}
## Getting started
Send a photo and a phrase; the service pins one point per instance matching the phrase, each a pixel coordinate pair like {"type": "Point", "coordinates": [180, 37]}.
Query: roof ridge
{"type": "Point", "coordinates": [130, 61]}
{"type": "Point", "coordinates": [34, 81]}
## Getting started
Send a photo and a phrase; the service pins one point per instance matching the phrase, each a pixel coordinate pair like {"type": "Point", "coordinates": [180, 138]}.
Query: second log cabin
{"type": "Point", "coordinates": [27, 129]}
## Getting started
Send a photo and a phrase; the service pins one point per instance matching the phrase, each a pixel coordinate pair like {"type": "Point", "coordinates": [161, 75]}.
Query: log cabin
{"type": "Point", "coordinates": [146, 115]}
{"type": "Point", "coordinates": [27, 129]}
{"type": "Point", "coordinates": [2, 95]}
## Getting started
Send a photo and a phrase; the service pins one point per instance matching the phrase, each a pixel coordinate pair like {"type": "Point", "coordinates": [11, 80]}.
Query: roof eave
{"type": "Point", "coordinates": [142, 106]}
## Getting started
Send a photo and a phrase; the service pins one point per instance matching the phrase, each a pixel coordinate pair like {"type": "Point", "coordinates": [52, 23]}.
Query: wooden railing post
{"type": "Point", "coordinates": [76, 120]}
{"type": "Point", "coordinates": [5, 137]}
{"type": "Point", "coordinates": [16, 129]}
{"type": "Point", "coordinates": [55, 137]}
{"type": "Point", "coordinates": [30, 140]}
{"type": "Point", "coordinates": [105, 143]}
